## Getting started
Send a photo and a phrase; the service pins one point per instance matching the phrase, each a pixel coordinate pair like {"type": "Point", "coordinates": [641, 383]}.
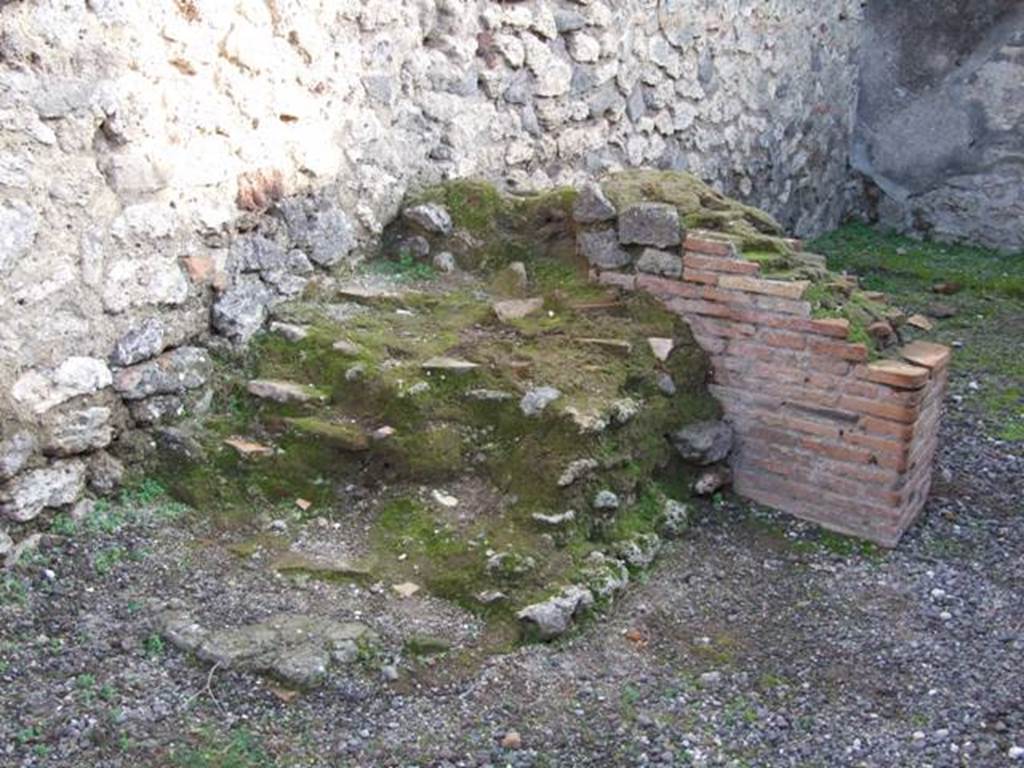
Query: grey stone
{"type": "Point", "coordinates": [636, 105]}
{"type": "Point", "coordinates": [174, 372]}
{"type": "Point", "coordinates": [139, 344]}
{"type": "Point", "coordinates": [606, 501]}
{"type": "Point", "coordinates": [517, 309]}
{"type": "Point", "coordinates": [510, 565]}
{"type": "Point", "coordinates": [445, 262]}
{"type": "Point", "coordinates": [322, 231]}
{"type": "Point", "coordinates": [569, 21]}
{"type": "Point", "coordinates": [592, 205]}
{"type": "Point", "coordinates": [239, 313]}
{"type": "Point", "coordinates": [640, 551]}
{"type": "Point", "coordinates": [552, 618]}
{"type": "Point", "coordinates": [607, 102]}
{"type": "Point", "coordinates": [577, 470]}
{"type": "Point", "coordinates": [15, 451]}
{"type": "Point", "coordinates": [284, 391]}
{"type": "Point", "coordinates": [294, 648]}
{"type": "Point", "coordinates": [19, 225]}
{"type": "Point", "coordinates": [606, 576]}
{"type": "Point", "coordinates": [449, 365]}
{"type": "Point", "coordinates": [303, 666]}
{"type": "Point", "coordinates": [654, 224]}
{"type": "Point", "coordinates": [601, 248]}
{"type": "Point", "coordinates": [105, 474]}
{"type": "Point", "coordinates": [555, 521]}
{"type": "Point", "coordinates": [704, 443]}
{"type": "Point", "coordinates": [42, 390]}
{"type": "Point", "coordinates": [431, 218]}
{"type": "Point", "coordinates": [666, 385]}
{"type": "Point", "coordinates": [28, 494]}
{"type": "Point", "coordinates": [535, 401]}
{"type": "Point", "coordinates": [179, 443]}
{"type": "Point", "coordinates": [346, 347]}
{"type": "Point", "coordinates": [656, 262]}
{"type": "Point", "coordinates": [520, 89]}
{"type": "Point", "coordinates": [417, 246]}
{"type": "Point", "coordinates": [158, 409]}
{"type": "Point", "coordinates": [255, 253]}
{"type": "Point", "coordinates": [675, 519]}
{"type": "Point", "coordinates": [712, 481]}
{"type": "Point", "coordinates": [78, 431]}
{"type": "Point", "coordinates": [290, 331]}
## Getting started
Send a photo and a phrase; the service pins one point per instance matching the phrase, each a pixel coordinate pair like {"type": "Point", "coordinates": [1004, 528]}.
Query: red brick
{"type": "Point", "coordinates": [876, 426]}
{"type": "Point", "coordinates": [926, 354]}
{"type": "Point", "coordinates": [782, 339]}
{"type": "Point", "coordinates": [700, 276]}
{"type": "Point", "coordinates": [892, 411]}
{"type": "Point", "coordinates": [709, 243]}
{"type": "Point", "coordinates": [663, 286]}
{"type": "Point", "coordinates": [838, 327]}
{"type": "Point", "coordinates": [827, 364]}
{"type": "Point", "coordinates": [785, 289]}
{"type": "Point", "coordinates": [857, 353]}
{"type": "Point", "coordinates": [200, 269]}
{"type": "Point", "coordinates": [785, 306]}
{"type": "Point", "coordinates": [838, 452]}
{"type": "Point", "coordinates": [894, 373]}
{"type": "Point", "coordinates": [806, 426]}
{"type": "Point", "coordinates": [724, 328]}
{"type": "Point", "coordinates": [721, 264]}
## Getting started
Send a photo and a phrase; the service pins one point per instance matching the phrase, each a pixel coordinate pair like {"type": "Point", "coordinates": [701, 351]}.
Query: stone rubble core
{"type": "Point", "coordinates": [823, 432]}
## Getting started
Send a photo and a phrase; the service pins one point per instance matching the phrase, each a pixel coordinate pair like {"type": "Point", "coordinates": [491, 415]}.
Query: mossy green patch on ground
{"type": "Point", "coordinates": [987, 299]}
{"type": "Point", "coordinates": [403, 431]}
{"type": "Point", "coordinates": [497, 229]}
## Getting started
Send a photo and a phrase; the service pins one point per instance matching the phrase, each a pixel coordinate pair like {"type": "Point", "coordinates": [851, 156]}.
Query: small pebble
{"type": "Point", "coordinates": [512, 740]}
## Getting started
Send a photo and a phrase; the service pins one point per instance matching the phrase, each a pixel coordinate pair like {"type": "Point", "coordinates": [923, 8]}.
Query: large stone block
{"type": "Point", "coordinates": [41, 390]}
{"type": "Point", "coordinates": [655, 224]}
{"type": "Point", "coordinates": [177, 371]}
{"type": "Point", "coordinates": [15, 451]}
{"type": "Point", "coordinates": [239, 313]}
{"type": "Point", "coordinates": [24, 497]}
{"type": "Point", "coordinates": [601, 248]}
{"type": "Point", "coordinates": [78, 431]}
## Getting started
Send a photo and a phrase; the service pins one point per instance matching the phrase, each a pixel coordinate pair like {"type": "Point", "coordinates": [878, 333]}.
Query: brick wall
{"type": "Point", "coordinates": [823, 433]}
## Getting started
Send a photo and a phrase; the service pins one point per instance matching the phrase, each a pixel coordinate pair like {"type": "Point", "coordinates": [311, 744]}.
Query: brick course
{"type": "Point", "coordinates": [822, 432]}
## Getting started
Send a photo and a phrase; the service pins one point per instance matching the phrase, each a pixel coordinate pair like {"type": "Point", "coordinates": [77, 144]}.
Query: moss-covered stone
{"type": "Point", "coordinates": [403, 431]}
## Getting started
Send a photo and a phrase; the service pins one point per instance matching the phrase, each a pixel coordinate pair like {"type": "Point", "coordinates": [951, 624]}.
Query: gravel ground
{"type": "Point", "coordinates": [755, 641]}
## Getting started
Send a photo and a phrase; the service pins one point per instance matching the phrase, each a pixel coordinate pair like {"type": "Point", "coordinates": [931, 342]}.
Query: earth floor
{"type": "Point", "coordinates": [756, 640]}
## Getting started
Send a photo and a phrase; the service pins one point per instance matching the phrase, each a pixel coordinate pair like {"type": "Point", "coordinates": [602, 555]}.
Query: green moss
{"type": "Point", "coordinates": [903, 266]}
{"type": "Point", "coordinates": [699, 206]}
{"type": "Point", "coordinates": [421, 646]}
{"type": "Point", "coordinates": [503, 228]}
{"type": "Point", "coordinates": [347, 436]}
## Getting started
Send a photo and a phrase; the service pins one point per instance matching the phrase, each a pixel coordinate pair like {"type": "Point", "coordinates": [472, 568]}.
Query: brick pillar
{"type": "Point", "coordinates": [822, 433]}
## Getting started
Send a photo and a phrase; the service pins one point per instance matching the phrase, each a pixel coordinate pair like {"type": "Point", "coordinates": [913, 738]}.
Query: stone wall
{"type": "Point", "coordinates": [158, 160]}
{"type": "Point", "coordinates": [822, 431]}
{"type": "Point", "coordinates": [940, 128]}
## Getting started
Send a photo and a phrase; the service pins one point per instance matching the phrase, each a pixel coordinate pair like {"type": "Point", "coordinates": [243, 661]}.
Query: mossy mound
{"type": "Point", "coordinates": [493, 229]}
{"type": "Point", "coordinates": [425, 413]}
{"type": "Point", "coordinates": [700, 206]}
